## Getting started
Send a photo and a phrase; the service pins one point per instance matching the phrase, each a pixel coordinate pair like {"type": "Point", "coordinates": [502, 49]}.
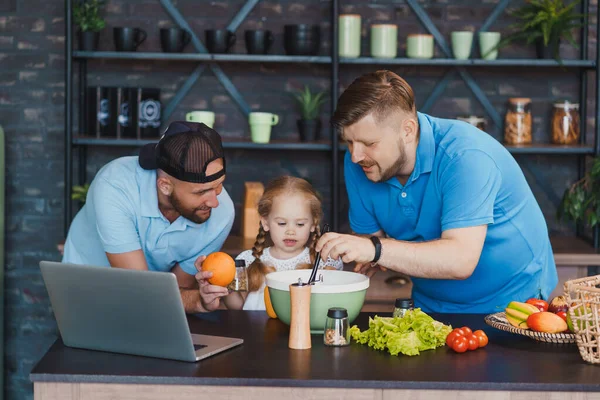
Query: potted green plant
{"type": "Point", "coordinates": [80, 192]}
{"type": "Point", "coordinates": [545, 23]}
{"type": "Point", "coordinates": [581, 201]}
{"type": "Point", "coordinates": [309, 125]}
{"type": "Point", "coordinates": [86, 15]}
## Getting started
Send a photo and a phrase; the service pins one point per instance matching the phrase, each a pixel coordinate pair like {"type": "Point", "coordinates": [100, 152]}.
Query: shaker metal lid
{"type": "Point", "coordinates": [519, 100]}
{"type": "Point", "coordinates": [337, 312]}
{"type": "Point", "coordinates": [404, 303]}
{"type": "Point", "coordinates": [567, 105]}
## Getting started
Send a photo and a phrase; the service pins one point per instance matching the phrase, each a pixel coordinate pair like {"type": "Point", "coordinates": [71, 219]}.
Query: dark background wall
{"type": "Point", "coordinates": [32, 111]}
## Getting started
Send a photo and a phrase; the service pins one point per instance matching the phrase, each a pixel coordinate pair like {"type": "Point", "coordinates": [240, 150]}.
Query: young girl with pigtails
{"type": "Point", "coordinates": [290, 216]}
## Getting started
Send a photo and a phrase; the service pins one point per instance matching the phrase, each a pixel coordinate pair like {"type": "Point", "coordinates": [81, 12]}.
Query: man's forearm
{"type": "Point", "coordinates": [438, 259]}
{"type": "Point", "coordinates": [191, 301]}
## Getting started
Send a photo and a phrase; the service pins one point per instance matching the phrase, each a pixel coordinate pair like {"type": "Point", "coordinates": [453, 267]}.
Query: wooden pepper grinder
{"type": "Point", "coordinates": [300, 320]}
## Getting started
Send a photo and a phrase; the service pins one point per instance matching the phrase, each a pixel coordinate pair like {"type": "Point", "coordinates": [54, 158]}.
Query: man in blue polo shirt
{"type": "Point", "coordinates": [162, 211]}
{"type": "Point", "coordinates": [450, 204]}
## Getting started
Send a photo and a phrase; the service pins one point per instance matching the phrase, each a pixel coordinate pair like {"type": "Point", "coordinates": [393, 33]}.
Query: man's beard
{"type": "Point", "coordinates": [185, 213]}
{"type": "Point", "coordinates": [392, 171]}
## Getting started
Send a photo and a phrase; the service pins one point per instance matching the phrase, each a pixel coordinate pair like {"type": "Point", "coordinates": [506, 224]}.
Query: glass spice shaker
{"type": "Point", "coordinates": [337, 332]}
{"type": "Point", "coordinates": [402, 306]}
{"type": "Point", "coordinates": [517, 129]}
{"type": "Point", "coordinates": [240, 280]}
{"type": "Point", "coordinates": [565, 123]}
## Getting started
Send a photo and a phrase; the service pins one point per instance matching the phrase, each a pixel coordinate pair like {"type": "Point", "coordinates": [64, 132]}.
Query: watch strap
{"type": "Point", "coordinates": [377, 244]}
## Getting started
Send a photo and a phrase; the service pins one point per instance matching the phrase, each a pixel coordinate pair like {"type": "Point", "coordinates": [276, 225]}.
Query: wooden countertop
{"type": "Point", "coordinates": [509, 362]}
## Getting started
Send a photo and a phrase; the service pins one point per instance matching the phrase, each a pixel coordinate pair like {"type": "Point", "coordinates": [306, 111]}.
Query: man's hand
{"type": "Point", "coordinates": [368, 269]}
{"type": "Point", "coordinates": [349, 247]}
{"type": "Point", "coordinates": [210, 295]}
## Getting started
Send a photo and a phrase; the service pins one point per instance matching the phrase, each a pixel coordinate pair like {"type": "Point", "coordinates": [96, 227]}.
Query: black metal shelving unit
{"type": "Point", "coordinates": [80, 142]}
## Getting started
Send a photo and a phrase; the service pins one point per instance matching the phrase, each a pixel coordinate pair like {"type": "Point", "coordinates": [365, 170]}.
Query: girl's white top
{"type": "Point", "coordinates": [256, 300]}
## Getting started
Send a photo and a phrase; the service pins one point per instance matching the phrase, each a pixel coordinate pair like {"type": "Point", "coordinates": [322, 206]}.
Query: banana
{"type": "Point", "coordinates": [517, 323]}
{"type": "Point", "coordinates": [518, 312]}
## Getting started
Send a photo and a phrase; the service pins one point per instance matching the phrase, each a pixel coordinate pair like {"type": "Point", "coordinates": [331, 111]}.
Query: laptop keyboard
{"type": "Point", "coordinates": [199, 346]}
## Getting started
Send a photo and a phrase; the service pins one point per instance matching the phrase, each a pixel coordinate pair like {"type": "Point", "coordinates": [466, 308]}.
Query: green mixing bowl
{"type": "Point", "coordinates": [338, 289]}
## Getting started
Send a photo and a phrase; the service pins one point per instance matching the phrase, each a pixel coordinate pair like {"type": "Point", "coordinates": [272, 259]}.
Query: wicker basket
{"type": "Point", "coordinates": [583, 296]}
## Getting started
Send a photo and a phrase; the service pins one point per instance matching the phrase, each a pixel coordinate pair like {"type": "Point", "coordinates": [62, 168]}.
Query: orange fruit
{"type": "Point", "coordinates": [268, 305]}
{"type": "Point", "coordinates": [222, 266]}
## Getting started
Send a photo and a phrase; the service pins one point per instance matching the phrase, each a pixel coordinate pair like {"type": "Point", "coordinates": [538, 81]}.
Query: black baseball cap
{"type": "Point", "coordinates": [184, 151]}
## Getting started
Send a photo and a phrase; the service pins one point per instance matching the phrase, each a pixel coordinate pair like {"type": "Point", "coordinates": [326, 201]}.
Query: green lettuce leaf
{"type": "Point", "coordinates": [408, 335]}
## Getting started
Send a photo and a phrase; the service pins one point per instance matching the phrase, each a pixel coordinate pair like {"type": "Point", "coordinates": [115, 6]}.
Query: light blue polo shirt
{"type": "Point", "coordinates": [462, 177]}
{"type": "Point", "coordinates": [121, 214]}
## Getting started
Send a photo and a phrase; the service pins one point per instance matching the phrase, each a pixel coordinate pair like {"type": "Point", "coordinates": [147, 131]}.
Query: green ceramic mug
{"type": "Point", "coordinates": [384, 40]}
{"type": "Point", "coordinates": [349, 35]}
{"type": "Point", "coordinates": [419, 46]}
{"type": "Point", "coordinates": [206, 117]}
{"type": "Point", "coordinates": [487, 42]}
{"type": "Point", "coordinates": [462, 41]}
{"type": "Point", "coordinates": [260, 126]}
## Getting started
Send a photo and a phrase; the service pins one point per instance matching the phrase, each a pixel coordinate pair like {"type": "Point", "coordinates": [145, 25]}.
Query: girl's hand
{"type": "Point", "coordinates": [210, 295]}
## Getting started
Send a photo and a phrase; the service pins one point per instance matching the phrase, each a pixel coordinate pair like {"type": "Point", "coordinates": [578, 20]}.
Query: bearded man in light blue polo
{"type": "Point", "coordinates": [438, 200]}
{"type": "Point", "coordinates": [162, 211]}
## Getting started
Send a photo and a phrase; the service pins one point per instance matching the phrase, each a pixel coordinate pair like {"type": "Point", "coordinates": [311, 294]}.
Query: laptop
{"type": "Point", "coordinates": [125, 311]}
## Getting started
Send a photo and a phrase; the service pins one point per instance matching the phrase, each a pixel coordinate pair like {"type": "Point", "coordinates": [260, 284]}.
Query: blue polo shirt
{"type": "Point", "coordinates": [462, 178]}
{"type": "Point", "coordinates": [121, 214]}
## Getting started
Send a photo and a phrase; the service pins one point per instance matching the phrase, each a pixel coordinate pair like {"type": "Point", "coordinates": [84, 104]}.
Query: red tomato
{"type": "Point", "coordinates": [467, 330]}
{"type": "Point", "coordinates": [450, 338]}
{"type": "Point", "coordinates": [473, 342]}
{"type": "Point", "coordinates": [562, 314]}
{"type": "Point", "coordinates": [542, 305]}
{"type": "Point", "coordinates": [460, 344]}
{"type": "Point", "coordinates": [460, 331]}
{"type": "Point", "coordinates": [482, 337]}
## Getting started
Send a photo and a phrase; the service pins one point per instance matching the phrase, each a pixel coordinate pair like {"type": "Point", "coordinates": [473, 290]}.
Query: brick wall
{"type": "Point", "coordinates": [31, 111]}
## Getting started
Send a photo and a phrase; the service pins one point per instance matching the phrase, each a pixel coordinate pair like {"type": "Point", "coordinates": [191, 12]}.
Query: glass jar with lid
{"type": "Point", "coordinates": [518, 123]}
{"type": "Point", "coordinates": [401, 306]}
{"type": "Point", "coordinates": [565, 123]}
{"type": "Point", "coordinates": [337, 330]}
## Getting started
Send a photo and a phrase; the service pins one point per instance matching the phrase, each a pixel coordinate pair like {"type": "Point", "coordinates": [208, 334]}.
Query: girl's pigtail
{"type": "Point", "coordinates": [257, 270]}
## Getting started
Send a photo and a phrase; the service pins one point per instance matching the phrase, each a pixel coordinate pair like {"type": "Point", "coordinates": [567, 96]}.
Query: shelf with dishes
{"type": "Point", "coordinates": [452, 62]}
{"type": "Point", "coordinates": [206, 57]}
{"type": "Point", "coordinates": [227, 144]}
{"type": "Point", "coordinates": [282, 58]}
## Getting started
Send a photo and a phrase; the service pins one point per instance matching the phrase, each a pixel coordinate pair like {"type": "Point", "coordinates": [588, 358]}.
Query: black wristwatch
{"type": "Point", "coordinates": [377, 244]}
